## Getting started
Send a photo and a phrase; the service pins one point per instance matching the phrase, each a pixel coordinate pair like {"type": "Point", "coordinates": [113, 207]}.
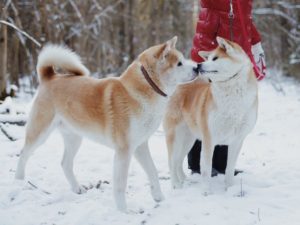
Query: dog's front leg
{"type": "Point", "coordinates": [233, 153]}
{"type": "Point", "coordinates": [143, 156]}
{"type": "Point", "coordinates": [179, 142]}
{"type": "Point", "coordinates": [121, 165]}
{"type": "Point", "coordinates": [206, 164]}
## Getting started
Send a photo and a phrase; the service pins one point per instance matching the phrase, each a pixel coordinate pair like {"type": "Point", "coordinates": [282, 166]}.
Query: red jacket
{"type": "Point", "coordinates": [214, 21]}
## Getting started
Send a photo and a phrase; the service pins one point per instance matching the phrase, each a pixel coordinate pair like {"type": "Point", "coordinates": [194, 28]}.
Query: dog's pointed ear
{"type": "Point", "coordinates": [162, 51]}
{"type": "Point", "coordinates": [225, 44]}
{"type": "Point", "coordinates": [173, 42]}
{"type": "Point", "coordinates": [166, 48]}
{"type": "Point", "coordinates": [204, 54]}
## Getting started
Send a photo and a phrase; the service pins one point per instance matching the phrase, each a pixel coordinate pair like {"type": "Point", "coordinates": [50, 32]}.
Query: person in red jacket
{"type": "Point", "coordinates": [230, 19]}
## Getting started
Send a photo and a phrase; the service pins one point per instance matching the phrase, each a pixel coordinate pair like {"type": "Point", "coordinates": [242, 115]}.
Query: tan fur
{"type": "Point", "coordinates": [194, 110]}
{"type": "Point", "coordinates": [101, 105]}
{"type": "Point", "coordinates": [93, 105]}
{"type": "Point", "coordinates": [121, 112]}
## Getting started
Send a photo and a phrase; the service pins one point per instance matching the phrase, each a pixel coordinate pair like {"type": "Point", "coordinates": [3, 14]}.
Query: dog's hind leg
{"type": "Point", "coordinates": [143, 156]}
{"type": "Point", "coordinates": [72, 143]}
{"type": "Point", "coordinates": [39, 126]}
{"type": "Point", "coordinates": [233, 153]}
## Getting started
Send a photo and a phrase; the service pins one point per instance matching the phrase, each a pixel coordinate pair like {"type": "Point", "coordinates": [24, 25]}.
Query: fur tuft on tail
{"type": "Point", "coordinates": [59, 57]}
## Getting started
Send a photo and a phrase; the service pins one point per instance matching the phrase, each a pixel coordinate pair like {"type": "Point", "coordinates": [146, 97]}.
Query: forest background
{"type": "Point", "coordinates": [109, 34]}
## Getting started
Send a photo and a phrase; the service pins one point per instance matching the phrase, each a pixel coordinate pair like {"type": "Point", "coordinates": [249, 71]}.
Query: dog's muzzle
{"type": "Point", "coordinates": [200, 70]}
{"type": "Point", "coordinates": [196, 70]}
{"type": "Point", "coordinates": [199, 67]}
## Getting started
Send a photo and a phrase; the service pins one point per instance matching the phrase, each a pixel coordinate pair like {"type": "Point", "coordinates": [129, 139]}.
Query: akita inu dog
{"type": "Point", "coordinates": [221, 112]}
{"type": "Point", "coordinates": [121, 113]}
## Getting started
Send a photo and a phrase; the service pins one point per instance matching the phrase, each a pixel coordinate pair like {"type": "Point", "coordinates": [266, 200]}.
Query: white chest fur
{"type": "Point", "coordinates": [143, 126]}
{"type": "Point", "coordinates": [235, 112]}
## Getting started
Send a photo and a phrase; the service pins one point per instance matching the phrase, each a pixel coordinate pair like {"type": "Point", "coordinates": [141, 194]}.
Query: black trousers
{"type": "Point", "coordinates": [219, 158]}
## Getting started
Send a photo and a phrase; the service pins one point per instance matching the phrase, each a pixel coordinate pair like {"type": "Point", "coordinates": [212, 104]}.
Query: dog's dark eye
{"type": "Point", "coordinates": [179, 64]}
{"type": "Point", "coordinates": [215, 58]}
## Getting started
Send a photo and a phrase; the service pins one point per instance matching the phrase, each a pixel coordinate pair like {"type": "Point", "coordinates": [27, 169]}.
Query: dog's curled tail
{"type": "Point", "coordinates": [59, 57]}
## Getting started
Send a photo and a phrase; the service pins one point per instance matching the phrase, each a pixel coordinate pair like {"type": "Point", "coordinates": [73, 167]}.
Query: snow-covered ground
{"type": "Point", "coordinates": [268, 192]}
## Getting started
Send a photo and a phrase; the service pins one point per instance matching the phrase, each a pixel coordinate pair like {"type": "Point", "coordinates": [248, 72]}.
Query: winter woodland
{"type": "Point", "coordinates": [108, 35]}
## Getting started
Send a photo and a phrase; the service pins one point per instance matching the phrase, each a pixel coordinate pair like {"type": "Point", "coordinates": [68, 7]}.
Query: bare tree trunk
{"type": "Point", "coordinates": [14, 59]}
{"type": "Point", "coordinates": [14, 66]}
{"type": "Point", "coordinates": [154, 21]}
{"type": "Point", "coordinates": [130, 30]}
{"type": "Point", "coordinates": [122, 34]}
{"type": "Point", "coordinates": [44, 25]}
{"type": "Point", "coordinates": [195, 13]}
{"type": "Point", "coordinates": [3, 60]}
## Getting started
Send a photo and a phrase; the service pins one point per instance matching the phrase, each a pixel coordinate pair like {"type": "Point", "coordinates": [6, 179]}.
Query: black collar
{"type": "Point", "coordinates": [234, 76]}
{"type": "Point", "coordinates": [152, 83]}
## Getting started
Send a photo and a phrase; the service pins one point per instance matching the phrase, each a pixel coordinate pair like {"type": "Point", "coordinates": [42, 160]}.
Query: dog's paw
{"type": "Point", "coordinates": [156, 193]}
{"type": "Point", "coordinates": [122, 207]}
{"type": "Point", "coordinates": [158, 197]}
{"type": "Point", "coordinates": [79, 189]}
{"type": "Point", "coordinates": [181, 176]}
{"type": "Point", "coordinates": [135, 211]}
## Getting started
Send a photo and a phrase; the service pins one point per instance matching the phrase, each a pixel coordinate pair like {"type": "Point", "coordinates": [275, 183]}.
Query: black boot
{"type": "Point", "coordinates": [219, 159]}
{"type": "Point", "coordinates": [194, 159]}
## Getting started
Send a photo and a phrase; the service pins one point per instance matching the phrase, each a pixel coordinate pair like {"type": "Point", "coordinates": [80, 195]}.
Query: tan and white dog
{"type": "Point", "coordinates": [121, 113]}
{"type": "Point", "coordinates": [221, 112]}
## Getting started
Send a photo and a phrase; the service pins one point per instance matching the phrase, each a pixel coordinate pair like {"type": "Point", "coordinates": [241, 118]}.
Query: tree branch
{"type": "Point", "coordinates": [7, 134]}
{"type": "Point", "coordinates": [276, 12]}
{"type": "Point", "coordinates": [21, 31]}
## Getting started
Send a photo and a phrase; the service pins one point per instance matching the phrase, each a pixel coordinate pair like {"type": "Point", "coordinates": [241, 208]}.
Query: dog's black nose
{"type": "Point", "coordinates": [195, 69]}
{"type": "Point", "coordinates": [198, 68]}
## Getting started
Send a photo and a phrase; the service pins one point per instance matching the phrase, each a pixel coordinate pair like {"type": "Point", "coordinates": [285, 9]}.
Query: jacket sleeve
{"type": "Point", "coordinates": [206, 31]}
{"type": "Point", "coordinates": [254, 35]}
{"type": "Point", "coordinates": [194, 55]}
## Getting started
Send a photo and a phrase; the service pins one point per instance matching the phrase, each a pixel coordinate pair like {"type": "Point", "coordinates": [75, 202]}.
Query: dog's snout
{"type": "Point", "coordinates": [198, 68]}
{"type": "Point", "coordinates": [195, 69]}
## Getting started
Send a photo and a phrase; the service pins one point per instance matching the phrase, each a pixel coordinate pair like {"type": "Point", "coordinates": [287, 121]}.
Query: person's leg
{"type": "Point", "coordinates": [194, 157]}
{"type": "Point", "coordinates": [220, 158]}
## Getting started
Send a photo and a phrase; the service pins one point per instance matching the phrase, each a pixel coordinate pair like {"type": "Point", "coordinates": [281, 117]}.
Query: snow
{"type": "Point", "coordinates": [268, 192]}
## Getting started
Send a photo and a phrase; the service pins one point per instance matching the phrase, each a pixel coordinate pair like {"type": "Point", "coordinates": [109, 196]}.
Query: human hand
{"type": "Point", "coordinates": [260, 59]}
